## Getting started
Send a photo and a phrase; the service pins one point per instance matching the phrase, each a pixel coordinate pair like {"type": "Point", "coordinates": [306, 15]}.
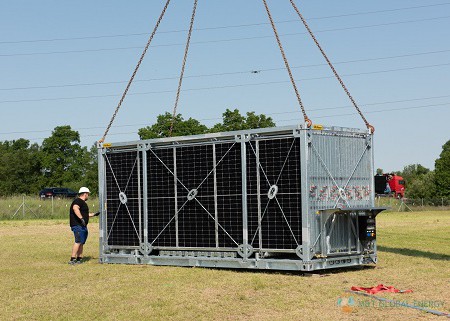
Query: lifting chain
{"type": "Point", "coordinates": [135, 71]}
{"type": "Point", "coordinates": [180, 82]}
{"type": "Point", "coordinates": [288, 68]}
{"type": "Point", "coordinates": [370, 127]}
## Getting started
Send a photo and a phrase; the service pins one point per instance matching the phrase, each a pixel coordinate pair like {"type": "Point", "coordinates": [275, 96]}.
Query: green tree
{"type": "Point", "coordinates": [422, 186]}
{"type": "Point", "coordinates": [412, 172]}
{"type": "Point", "coordinates": [181, 127]}
{"type": "Point", "coordinates": [258, 121]}
{"type": "Point", "coordinates": [20, 167]}
{"type": "Point", "coordinates": [442, 171]}
{"type": "Point", "coordinates": [63, 158]}
{"type": "Point", "coordinates": [420, 182]}
{"type": "Point", "coordinates": [233, 120]}
{"type": "Point", "coordinates": [91, 173]}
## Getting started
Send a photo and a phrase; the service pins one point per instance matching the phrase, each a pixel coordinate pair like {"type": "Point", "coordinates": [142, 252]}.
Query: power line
{"type": "Point", "coordinates": [221, 87]}
{"type": "Point", "coordinates": [224, 27]}
{"type": "Point", "coordinates": [385, 110]}
{"type": "Point", "coordinates": [221, 40]}
{"type": "Point", "coordinates": [223, 73]}
{"type": "Point", "coordinates": [379, 11]}
{"type": "Point", "coordinates": [291, 120]}
{"type": "Point", "coordinates": [313, 109]}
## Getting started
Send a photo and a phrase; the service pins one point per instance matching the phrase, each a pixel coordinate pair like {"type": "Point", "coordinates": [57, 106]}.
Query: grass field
{"type": "Point", "coordinates": [37, 283]}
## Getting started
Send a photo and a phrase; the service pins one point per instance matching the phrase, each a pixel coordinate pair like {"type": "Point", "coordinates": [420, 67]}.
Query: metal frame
{"type": "Point", "coordinates": [321, 245]}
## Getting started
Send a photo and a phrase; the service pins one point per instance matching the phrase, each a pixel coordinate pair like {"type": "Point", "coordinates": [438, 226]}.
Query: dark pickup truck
{"type": "Point", "coordinates": [59, 192]}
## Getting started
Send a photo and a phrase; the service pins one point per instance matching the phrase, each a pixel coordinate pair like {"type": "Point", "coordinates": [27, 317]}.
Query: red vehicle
{"type": "Point", "coordinates": [390, 185]}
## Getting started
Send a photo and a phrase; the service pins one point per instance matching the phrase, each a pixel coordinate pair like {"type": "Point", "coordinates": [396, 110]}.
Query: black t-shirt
{"type": "Point", "coordinates": [84, 209]}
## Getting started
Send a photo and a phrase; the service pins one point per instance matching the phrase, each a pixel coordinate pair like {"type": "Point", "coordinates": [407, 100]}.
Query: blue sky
{"type": "Point", "coordinates": [67, 63]}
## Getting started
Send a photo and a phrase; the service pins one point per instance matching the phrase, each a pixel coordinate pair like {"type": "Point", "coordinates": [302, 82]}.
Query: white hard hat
{"type": "Point", "coordinates": [84, 190]}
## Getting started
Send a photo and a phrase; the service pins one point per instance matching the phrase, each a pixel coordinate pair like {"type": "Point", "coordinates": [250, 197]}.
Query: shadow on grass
{"type": "Point", "coordinates": [414, 253]}
{"type": "Point", "coordinates": [316, 273]}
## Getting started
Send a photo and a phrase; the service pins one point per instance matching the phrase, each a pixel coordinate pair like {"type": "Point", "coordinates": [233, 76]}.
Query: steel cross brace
{"type": "Point", "coordinates": [341, 193]}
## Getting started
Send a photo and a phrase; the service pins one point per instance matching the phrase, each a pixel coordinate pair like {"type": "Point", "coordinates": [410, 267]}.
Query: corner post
{"type": "Point", "coordinates": [243, 139]}
{"type": "Point", "coordinates": [101, 200]}
{"type": "Point", "coordinates": [305, 136]}
{"type": "Point", "coordinates": [143, 192]}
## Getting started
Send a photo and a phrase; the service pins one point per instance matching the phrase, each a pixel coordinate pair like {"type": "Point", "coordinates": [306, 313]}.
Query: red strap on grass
{"type": "Point", "coordinates": [379, 288]}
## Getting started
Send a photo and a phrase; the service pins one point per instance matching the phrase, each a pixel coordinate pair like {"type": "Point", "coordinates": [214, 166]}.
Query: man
{"type": "Point", "coordinates": [79, 219]}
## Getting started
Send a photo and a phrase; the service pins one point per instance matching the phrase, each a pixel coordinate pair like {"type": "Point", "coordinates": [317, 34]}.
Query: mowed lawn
{"type": "Point", "coordinates": [37, 283]}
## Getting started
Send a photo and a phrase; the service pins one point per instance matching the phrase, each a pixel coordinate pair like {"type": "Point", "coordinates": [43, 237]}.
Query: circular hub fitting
{"type": "Point", "coordinates": [241, 250]}
{"type": "Point", "coordinates": [192, 194]}
{"type": "Point", "coordinates": [273, 190]}
{"type": "Point", "coordinates": [123, 198]}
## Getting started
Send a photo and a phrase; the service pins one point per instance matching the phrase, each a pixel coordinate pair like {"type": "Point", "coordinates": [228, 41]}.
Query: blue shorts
{"type": "Point", "coordinates": [80, 233]}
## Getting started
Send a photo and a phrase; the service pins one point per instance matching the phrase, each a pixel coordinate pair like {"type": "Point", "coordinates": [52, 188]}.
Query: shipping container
{"type": "Point", "coordinates": [283, 198]}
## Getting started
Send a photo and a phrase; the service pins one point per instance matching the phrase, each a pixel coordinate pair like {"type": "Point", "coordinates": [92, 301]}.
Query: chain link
{"type": "Point", "coordinates": [370, 127]}
{"type": "Point", "coordinates": [288, 68]}
{"type": "Point", "coordinates": [180, 82]}
{"type": "Point", "coordinates": [135, 71]}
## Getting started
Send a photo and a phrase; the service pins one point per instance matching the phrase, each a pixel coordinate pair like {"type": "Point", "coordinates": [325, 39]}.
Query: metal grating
{"type": "Point", "coordinates": [123, 198]}
{"type": "Point", "coordinates": [160, 196]}
{"type": "Point", "coordinates": [194, 196]}
{"type": "Point", "coordinates": [337, 178]}
{"type": "Point", "coordinates": [254, 205]}
{"type": "Point", "coordinates": [278, 176]}
{"type": "Point", "coordinates": [213, 218]}
{"type": "Point", "coordinates": [194, 165]}
{"type": "Point", "coordinates": [229, 194]}
{"type": "Point", "coordinates": [341, 233]}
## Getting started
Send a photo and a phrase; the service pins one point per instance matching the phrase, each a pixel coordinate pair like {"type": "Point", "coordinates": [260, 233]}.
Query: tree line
{"type": "Point", "coordinates": [60, 161]}
{"type": "Point", "coordinates": [421, 182]}
{"type": "Point", "coordinates": [231, 120]}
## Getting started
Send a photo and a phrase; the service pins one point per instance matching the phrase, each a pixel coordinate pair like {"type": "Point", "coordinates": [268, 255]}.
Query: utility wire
{"type": "Point", "coordinates": [308, 122]}
{"type": "Point", "coordinates": [220, 40]}
{"type": "Point", "coordinates": [224, 27]}
{"type": "Point", "coordinates": [313, 109]}
{"type": "Point", "coordinates": [325, 56]}
{"type": "Point", "coordinates": [290, 119]}
{"type": "Point", "coordinates": [161, 16]}
{"type": "Point", "coordinates": [224, 73]}
{"type": "Point", "coordinates": [385, 110]}
{"type": "Point", "coordinates": [183, 66]}
{"type": "Point", "coordinates": [222, 87]}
